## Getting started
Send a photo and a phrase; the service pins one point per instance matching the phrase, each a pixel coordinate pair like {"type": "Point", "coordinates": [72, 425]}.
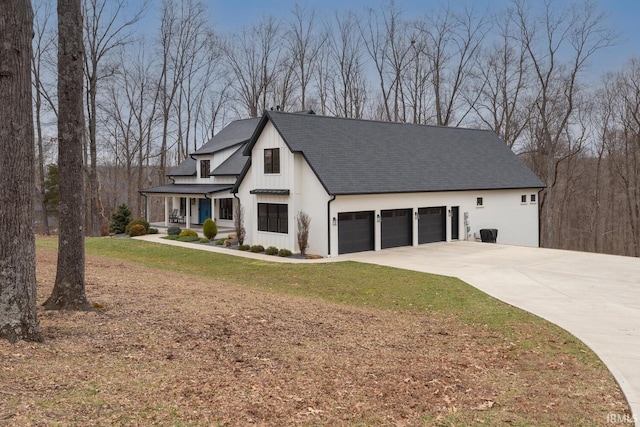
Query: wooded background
{"type": "Point", "coordinates": [155, 93]}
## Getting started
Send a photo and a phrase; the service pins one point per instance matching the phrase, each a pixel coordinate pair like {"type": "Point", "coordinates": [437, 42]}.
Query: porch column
{"type": "Point", "coordinates": [187, 218]}
{"type": "Point", "coordinates": [166, 211]}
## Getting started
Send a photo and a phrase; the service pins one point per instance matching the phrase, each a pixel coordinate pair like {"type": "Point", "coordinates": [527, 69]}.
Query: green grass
{"type": "Point", "coordinates": [347, 282]}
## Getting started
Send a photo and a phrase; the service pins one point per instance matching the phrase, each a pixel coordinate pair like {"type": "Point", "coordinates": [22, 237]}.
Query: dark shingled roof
{"type": "Point", "coordinates": [233, 165]}
{"type": "Point", "coordinates": [234, 133]}
{"type": "Point", "coordinates": [351, 156]}
{"type": "Point", "coordinates": [186, 168]}
{"type": "Point", "coordinates": [188, 189]}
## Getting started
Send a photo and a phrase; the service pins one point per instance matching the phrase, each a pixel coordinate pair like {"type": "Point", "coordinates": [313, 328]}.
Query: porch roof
{"type": "Point", "coordinates": [188, 189]}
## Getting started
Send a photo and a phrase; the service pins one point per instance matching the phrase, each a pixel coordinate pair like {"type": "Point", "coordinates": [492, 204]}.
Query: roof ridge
{"type": "Point", "coordinates": [378, 121]}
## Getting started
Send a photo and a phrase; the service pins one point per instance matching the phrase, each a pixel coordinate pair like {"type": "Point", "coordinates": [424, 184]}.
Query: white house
{"type": "Point", "coordinates": [369, 185]}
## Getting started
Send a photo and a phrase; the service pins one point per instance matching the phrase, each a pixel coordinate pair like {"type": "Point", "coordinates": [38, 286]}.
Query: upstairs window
{"type": "Point", "coordinates": [533, 198]}
{"type": "Point", "coordinates": [523, 198]}
{"type": "Point", "coordinates": [205, 168]}
{"type": "Point", "coordinates": [272, 160]}
{"type": "Point", "coordinates": [479, 202]}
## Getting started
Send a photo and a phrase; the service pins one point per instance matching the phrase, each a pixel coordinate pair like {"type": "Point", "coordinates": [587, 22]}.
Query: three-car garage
{"type": "Point", "coordinates": [356, 230]}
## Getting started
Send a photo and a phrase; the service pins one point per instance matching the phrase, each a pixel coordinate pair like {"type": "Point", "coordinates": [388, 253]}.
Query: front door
{"type": "Point", "coordinates": [455, 222]}
{"type": "Point", "coordinates": [204, 209]}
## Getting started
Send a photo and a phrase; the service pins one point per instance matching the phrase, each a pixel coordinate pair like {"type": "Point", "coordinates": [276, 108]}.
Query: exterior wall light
{"type": "Point", "coordinates": [416, 215]}
{"type": "Point", "coordinates": [335, 221]}
{"type": "Point", "coordinates": [378, 218]}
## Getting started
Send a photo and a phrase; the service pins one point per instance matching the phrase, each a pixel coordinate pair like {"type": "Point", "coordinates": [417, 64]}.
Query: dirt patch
{"type": "Point", "coordinates": [170, 349]}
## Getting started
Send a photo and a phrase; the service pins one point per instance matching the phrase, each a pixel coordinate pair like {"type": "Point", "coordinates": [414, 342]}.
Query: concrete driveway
{"type": "Point", "coordinates": [595, 297]}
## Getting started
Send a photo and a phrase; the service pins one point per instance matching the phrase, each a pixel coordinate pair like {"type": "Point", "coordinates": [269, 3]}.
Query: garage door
{"type": "Point", "coordinates": [396, 228]}
{"type": "Point", "coordinates": [432, 224]}
{"type": "Point", "coordinates": [355, 232]}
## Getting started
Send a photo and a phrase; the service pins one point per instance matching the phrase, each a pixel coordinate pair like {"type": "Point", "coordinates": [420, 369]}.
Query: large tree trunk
{"type": "Point", "coordinates": [69, 289]}
{"type": "Point", "coordinates": [17, 243]}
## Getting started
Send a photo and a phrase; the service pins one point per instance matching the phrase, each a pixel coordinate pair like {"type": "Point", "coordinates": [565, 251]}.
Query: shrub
{"type": "Point", "coordinates": [152, 231]}
{"type": "Point", "coordinates": [244, 247]}
{"type": "Point", "coordinates": [271, 250]}
{"type": "Point", "coordinates": [204, 240]}
{"type": "Point", "coordinates": [303, 221]}
{"type": "Point", "coordinates": [188, 232]}
{"type": "Point", "coordinates": [238, 223]}
{"type": "Point", "coordinates": [220, 242]}
{"type": "Point", "coordinates": [137, 230]}
{"type": "Point", "coordinates": [171, 237]}
{"type": "Point", "coordinates": [284, 253]}
{"type": "Point", "coordinates": [119, 219]}
{"type": "Point", "coordinates": [209, 228]}
{"type": "Point", "coordinates": [142, 222]}
{"type": "Point", "coordinates": [257, 248]}
{"type": "Point", "coordinates": [174, 230]}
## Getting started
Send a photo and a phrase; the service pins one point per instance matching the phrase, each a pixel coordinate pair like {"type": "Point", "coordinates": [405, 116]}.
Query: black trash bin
{"type": "Point", "coordinates": [489, 235]}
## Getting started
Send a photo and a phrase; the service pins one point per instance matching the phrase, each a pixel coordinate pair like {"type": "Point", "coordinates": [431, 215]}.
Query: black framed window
{"type": "Point", "coordinates": [533, 198]}
{"type": "Point", "coordinates": [225, 210]}
{"type": "Point", "coordinates": [523, 198]}
{"type": "Point", "coordinates": [272, 160]}
{"type": "Point", "coordinates": [479, 201]}
{"type": "Point", "coordinates": [205, 168]}
{"type": "Point", "coordinates": [273, 217]}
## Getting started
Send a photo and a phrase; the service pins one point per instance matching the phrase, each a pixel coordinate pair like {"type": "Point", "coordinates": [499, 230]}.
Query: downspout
{"type": "Point", "coordinates": [539, 218]}
{"type": "Point", "coordinates": [329, 223]}
{"type": "Point", "coordinates": [235, 196]}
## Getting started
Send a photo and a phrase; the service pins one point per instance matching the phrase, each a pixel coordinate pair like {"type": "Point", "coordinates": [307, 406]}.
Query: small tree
{"type": "Point", "coordinates": [238, 222]}
{"type": "Point", "coordinates": [304, 222]}
{"type": "Point", "coordinates": [120, 219]}
{"type": "Point", "coordinates": [209, 228]}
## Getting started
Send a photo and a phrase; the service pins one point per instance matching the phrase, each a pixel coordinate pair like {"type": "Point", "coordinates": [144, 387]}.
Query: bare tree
{"type": "Point", "coordinates": [304, 45]}
{"type": "Point", "coordinates": [43, 45]}
{"type": "Point", "coordinates": [253, 57]}
{"type": "Point", "coordinates": [188, 58]}
{"type": "Point", "coordinates": [623, 147]}
{"type": "Point", "coordinates": [238, 223]}
{"type": "Point", "coordinates": [107, 25]}
{"type": "Point", "coordinates": [303, 221]}
{"type": "Point", "coordinates": [504, 85]}
{"type": "Point", "coordinates": [323, 76]}
{"type": "Point", "coordinates": [69, 288]}
{"type": "Point", "coordinates": [575, 34]}
{"type": "Point", "coordinates": [349, 86]}
{"type": "Point", "coordinates": [391, 45]}
{"type": "Point", "coordinates": [18, 319]}
{"type": "Point", "coordinates": [452, 44]}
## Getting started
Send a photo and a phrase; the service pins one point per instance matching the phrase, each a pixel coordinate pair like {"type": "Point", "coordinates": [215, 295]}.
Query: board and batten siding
{"type": "Point", "coordinates": [305, 193]}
